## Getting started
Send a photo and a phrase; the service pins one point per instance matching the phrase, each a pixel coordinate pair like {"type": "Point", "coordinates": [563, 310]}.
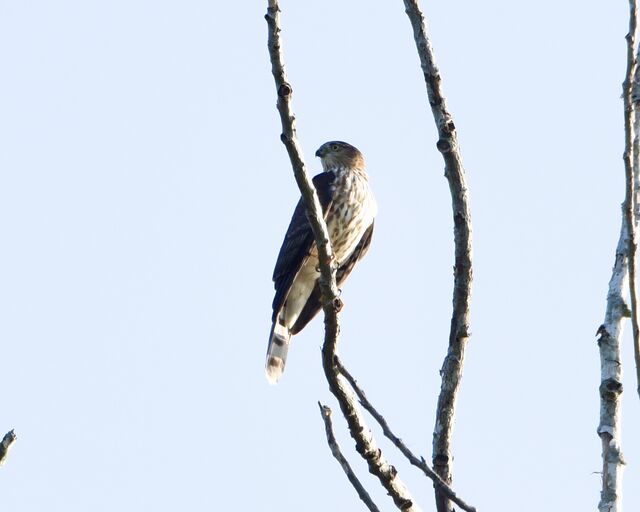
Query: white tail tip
{"type": "Point", "coordinates": [274, 369]}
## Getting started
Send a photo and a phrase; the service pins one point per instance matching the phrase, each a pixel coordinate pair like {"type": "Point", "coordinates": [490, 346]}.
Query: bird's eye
{"type": "Point", "coordinates": [335, 147]}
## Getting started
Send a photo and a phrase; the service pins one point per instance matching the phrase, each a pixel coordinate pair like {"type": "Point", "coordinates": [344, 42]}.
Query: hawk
{"type": "Point", "coordinates": [349, 208]}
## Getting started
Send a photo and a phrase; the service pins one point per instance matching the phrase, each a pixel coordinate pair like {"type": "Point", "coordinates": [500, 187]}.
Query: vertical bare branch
{"type": "Point", "coordinates": [630, 163]}
{"type": "Point", "coordinates": [623, 276]}
{"type": "Point", "coordinates": [609, 334]}
{"type": "Point", "coordinates": [5, 444]}
{"type": "Point", "coordinates": [335, 450]}
{"type": "Point", "coordinates": [290, 140]}
{"type": "Point", "coordinates": [633, 188]}
{"type": "Point", "coordinates": [365, 443]}
{"type": "Point", "coordinates": [454, 172]}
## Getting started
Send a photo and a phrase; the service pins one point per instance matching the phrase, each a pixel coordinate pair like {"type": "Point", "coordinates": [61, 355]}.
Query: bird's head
{"type": "Point", "coordinates": [340, 154]}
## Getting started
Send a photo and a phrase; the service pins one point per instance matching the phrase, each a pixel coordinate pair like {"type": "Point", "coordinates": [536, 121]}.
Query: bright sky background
{"type": "Point", "coordinates": [144, 195]}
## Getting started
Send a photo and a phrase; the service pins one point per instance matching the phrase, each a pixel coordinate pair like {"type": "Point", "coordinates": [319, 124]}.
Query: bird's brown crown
{"type": "Point", "coordinates": [340, 154]}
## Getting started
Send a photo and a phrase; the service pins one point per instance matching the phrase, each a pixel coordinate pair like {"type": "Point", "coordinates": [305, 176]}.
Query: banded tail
{"type": "Point", "coordinates": [277, 352]}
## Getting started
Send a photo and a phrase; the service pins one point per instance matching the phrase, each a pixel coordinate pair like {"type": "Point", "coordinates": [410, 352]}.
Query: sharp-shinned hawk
{"type": "Point", "coordinates": [349, 209]}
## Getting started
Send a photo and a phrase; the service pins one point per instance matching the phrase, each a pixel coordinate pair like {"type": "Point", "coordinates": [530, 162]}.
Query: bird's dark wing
{"type": "Point", "coordinates": [298, 241]}
{"type": "Point", "coordinates": [314, 304]}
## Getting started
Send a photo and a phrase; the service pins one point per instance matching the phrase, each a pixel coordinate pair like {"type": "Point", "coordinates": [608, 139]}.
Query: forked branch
{"type": "Point", "coordinates": [418, 462]}
{"type": "Point", "coordinates": [365, 444]}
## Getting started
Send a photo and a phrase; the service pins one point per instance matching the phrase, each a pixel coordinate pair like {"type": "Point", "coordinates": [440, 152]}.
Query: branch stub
{"type": "Point", "coordinates": [444, 146]}
{"type": "Point", "coordinates": [285, 90]}
{"type": "Point", "coordinates": [610, 389]}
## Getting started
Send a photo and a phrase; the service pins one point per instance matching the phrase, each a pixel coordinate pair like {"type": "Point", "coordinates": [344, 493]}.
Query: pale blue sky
{"type": "Point", "coordinates": [144, 195]}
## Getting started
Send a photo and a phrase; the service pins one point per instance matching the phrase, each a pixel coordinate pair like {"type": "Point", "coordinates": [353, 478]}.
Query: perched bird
{"type": "Point", "coordinates": [349, 209]}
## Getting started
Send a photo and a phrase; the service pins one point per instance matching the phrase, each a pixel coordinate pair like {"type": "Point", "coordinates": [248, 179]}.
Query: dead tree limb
{"type": "Point", "coordinates": [418, 462]}
{"type": "Point", "coordinates": [337, 453]}
{"type": "Point", "coordinates": [290, 140]}
{"type": "Point", "coordinates": [610, 332]}
{"type": "Point", "coordinates": [365, 443]}
{"type": "Point", "coordinates": [631, 93]}
{"type": "Point", "coordinates": [630, 158]}
{"type": "Point", "coordinates": [459, 334]}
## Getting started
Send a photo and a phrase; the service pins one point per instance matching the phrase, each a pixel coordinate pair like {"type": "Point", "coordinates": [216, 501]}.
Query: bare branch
{"type": "Point", "coordinates": [631, 93]}
{"type": "Point", "coordinates": [290, 141]}
{"type": "Point", "coordinates": [5, 444]}
{"type": "Point", "coordinates": [335, 450]}
{"type": "Point", "coordinates": [418, 462]}
{"type": "Point", "coordinates": [630, 182]}
{"type": "Point", "coordinates": [365, 444]}
{"type": "Point", "coordinates": [610, 332]}
{"type": "Point", "coordinates": [454, 172]}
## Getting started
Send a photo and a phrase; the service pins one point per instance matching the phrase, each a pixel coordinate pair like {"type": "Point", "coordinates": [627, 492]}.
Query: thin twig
{"type": "Point", "coordinates": [337, 453]}
{"type": "Point", "coordinates": [418, 462]}
{"type": "Point", "coordinates": [365, 444]}
{"type": "Point", "coordinates": [5, 444]}
{"type": "Point", "coordinates": [454, 172]}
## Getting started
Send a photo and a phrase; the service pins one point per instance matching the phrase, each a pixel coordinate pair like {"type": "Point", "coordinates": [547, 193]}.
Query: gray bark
{"type": "Point", "coordinates": [459, 333]}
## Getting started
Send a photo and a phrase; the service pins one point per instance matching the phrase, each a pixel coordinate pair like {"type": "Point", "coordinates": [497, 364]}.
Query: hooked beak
{"type": "Point", "coordinates": [320, 153]}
